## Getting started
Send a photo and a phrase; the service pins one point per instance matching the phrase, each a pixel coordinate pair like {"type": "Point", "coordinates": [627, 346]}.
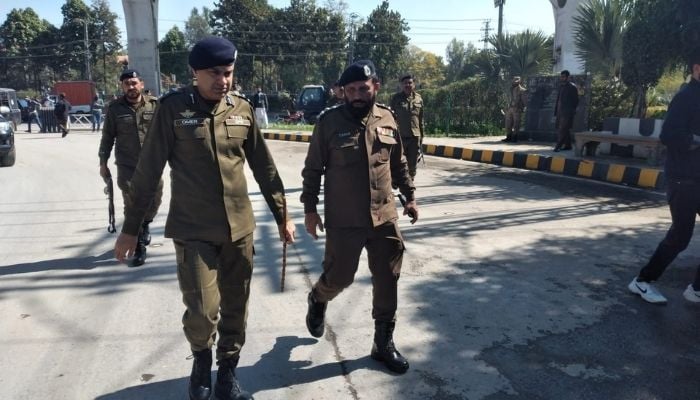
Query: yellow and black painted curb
{"type": "Point", "coordinates": [646, 178]}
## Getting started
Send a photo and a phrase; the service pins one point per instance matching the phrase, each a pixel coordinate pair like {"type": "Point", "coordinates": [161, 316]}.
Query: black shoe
{"type": "Point", "coordinates": [64, 134]}
{"type": "Point", "coordinates": [200, 379]}
{"type": "Point", "coordinates": [506, 140]}
{"type": "Point", "coordinates": [556, 149]}
{"type": "Point", "coordinates": [139, 256]}
{"type": "Point", "coordinates": [227, 386]}
{"type": "Point", "coordinates": [384, 350]}
{"type": "Point", "coordinates": [567, 148]}
{"type": "Point", "coordinates": [315, 316]}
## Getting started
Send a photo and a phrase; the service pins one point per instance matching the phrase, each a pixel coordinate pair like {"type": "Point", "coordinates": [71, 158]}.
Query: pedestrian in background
{"type": "Point", "coordinates": [127, 121]}
{"type": "Point", "coordinates": [517, 99]}
{"type": "Point", "coordinates": [96, 110]}
{"type": "Point", "coordinates": [681, 135]}
{"type": "Point", "coordinates": [206, 134]}
{"type": "Point", "coordinates": [261, 105]}
{"type": "Point", "coordinates": [357, 149]}
{"type": "Point", "coordinates": [565, 111]}
{"type": "Point", "coordinates": [408, 107]}
{"type": "Point", "coordinates": [33, 108]}
{"type": "Point", "coordinates": [60, 111]}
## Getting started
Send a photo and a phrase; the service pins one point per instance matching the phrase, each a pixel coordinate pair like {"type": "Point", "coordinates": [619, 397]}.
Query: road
{"type": "Point", "coordinates": [513, 287]}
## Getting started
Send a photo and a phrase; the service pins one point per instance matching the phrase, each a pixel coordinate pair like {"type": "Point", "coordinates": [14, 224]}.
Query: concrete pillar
{"type": "Point", "coordinates": [564, 45]}
{"type": "Point", "coordinates": [142, 40]}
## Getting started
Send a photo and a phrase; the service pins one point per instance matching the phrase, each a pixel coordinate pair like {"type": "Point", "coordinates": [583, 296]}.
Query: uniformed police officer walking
{"type": "Point", "coordinates": [408, 108]}
{"type": "Point", "coordinates": [126, 123]}
{"type": "Point", "coordinates": [358, 149]}
{"type": "Point", "coordinates": [206, 133]}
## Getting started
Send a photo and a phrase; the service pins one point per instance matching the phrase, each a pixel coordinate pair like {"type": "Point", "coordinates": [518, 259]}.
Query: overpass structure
{"type": "Point", "coordinates": [142, 38]}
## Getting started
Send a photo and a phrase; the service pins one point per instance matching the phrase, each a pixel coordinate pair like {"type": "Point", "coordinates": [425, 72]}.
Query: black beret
{"type": "Point", "coordinates": [404, 77]}
{"type": "Point", "coordinates": [358, 71]}
{"type": "Point", "coordinates": [128, 74]}
{"type": "Point", "coordinates": [211, 52]}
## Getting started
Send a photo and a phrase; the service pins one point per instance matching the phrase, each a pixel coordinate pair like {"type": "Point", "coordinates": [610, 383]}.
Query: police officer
{"type": "Point", "coordinates": [126, 122]}
{"type": "Point", "coordinates": [206, 134]}
{"type": "Point", "coordinates": [358, 149]}
{"type": "Point", "coordinates": [408, 108]}
{"type": "Point", "coordinates": [514, 112]}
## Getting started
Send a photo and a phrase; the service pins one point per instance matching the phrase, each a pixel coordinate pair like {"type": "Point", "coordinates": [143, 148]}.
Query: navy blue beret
{"type": "Point", "coordinates": [211, 52]}
{"type": "Point", "coordinates": [358, 71]}
{"type": "Point", "coordinates": [128, 74]}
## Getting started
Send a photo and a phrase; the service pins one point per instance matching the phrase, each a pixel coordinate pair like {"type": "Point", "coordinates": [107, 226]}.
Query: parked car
{"type": "Point", "coordinates": [7, 139]}
{"type": "Point", "coordinates": [311, 101]}
{"type": "Point", "coordinates": [8, 98]}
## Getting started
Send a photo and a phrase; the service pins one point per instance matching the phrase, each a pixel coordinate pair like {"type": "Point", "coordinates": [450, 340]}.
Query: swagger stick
{"type": "Point", "coordinates": [284, 244]}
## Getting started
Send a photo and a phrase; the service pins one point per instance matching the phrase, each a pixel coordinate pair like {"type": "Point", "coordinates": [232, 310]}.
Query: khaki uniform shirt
{"type": "Point", "coordinates": [359, 160]}
{"type": "Point", "coordinates": [409, 113]}
{"type": "Point", "coordinates": [206, 147]}
{"type": "Point", "coordinates": [127, 125]}
{"type": "Point", "coordinates": [518, 97]}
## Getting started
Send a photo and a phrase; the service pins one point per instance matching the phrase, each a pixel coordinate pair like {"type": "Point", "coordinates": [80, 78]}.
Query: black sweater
{"type": "Point", "coordinates": [680, 129]}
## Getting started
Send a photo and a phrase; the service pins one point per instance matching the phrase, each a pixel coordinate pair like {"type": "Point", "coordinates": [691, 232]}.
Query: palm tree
{"type": "Point", "coordinates": [526, 53]}
{"type": "Point", "coordinates": [598, 31]}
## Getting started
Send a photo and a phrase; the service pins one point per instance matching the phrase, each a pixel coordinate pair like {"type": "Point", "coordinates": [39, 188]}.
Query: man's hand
{"type": "Point", "coordinates": [287, 232]}
{"type": "Point", "coordinates": [125, 246]}
{"type": "Point", "coordinates": [411, 209]}
{"type": "Point", "coordinates": [104, 171]}
{"type": "Point", "coordinates": [311, 221]}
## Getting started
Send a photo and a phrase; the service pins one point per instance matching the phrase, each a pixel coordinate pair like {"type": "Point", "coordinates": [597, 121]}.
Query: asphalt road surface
{"type": "Point", "coordinates": [513, 287]}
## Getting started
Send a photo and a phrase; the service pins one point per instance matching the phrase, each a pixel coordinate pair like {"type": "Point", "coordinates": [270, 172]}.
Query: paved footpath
{"type": "Point", "coordinates": [529, 155]}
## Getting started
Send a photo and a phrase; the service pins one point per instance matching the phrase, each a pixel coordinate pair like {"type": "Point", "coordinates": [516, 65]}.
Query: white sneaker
{"type": "Point", "coordinates": [691, 294]}
{"type": "Point", "coordinates": [647, 291]}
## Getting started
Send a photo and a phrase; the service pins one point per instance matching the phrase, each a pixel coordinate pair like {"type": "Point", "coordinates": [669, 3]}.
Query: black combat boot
{"type": "Point", "coordinates": [227, 387]}
{"type": "Point", "coordinates": [315, 316]}
{"type": "Point", "coordinates": [200, 379]}
{"type": "Point", "coordinates": [383, 348]}
{"type": "Point", "coordinates": [140, 253]}
{"type": "Point", "coordinates": [146, 233]}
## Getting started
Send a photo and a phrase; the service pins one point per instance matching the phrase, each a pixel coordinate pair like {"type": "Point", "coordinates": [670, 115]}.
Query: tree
{"type": "Point", "coordinates": [20, 33]}
{"type": "Point", "coordinates": [197, 26]}
{"type": "Point", "coordinates": [523, 54]}
{"type": "Point", "coordinates": [173, 55]}
{"type": "Point", "coordinates": [598, 31]}
{"type": "Point", "coordinates": [456, 57]}
{"type": "Point", "coordinates": [106, 39]}
{"type": "Point", "coordinates": [427, 68]}
{"type": "Point", "coordinates": [73, 34]}
{"type": "Point", "coordinates": [382, 40]}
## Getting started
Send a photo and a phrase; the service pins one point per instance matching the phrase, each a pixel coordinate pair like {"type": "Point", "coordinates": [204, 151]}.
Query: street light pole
{"type": "Point", "coordinates": [87, 49]}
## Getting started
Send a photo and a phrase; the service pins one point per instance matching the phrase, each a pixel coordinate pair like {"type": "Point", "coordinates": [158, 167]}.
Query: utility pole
{"type": "Point", "coordinates": [87, 48]}
{"type": "Point", "coordinates": [351, 44]}
{"type": "Point", "coordinates": [487, 30]}
{"type": "Point", "coordinates": [499, 4]}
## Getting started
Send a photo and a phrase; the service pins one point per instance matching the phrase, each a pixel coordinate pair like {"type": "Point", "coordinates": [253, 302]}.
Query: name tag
{"type": "Point", "coordinates": [343, 134]}
{"type": "Point", "coordinates": [385, 131]}
{"type": "Point", "coordinates": [147, 116]}
{"type": "Point", "coordinates": [189, 122]}
{"type": "Point", "coordinates": [236, 120]}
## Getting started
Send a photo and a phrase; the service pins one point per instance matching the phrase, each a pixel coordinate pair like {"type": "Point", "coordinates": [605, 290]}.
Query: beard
{"type": "Point", "coordinates": [360, 108]}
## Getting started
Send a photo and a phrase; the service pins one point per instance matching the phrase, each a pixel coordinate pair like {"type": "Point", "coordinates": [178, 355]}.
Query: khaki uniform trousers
{"type": "Point", "coordinates": [384, 253]}
{"type": "Point", "coordinates": [123, 179]}
{"type": "Point", "coordinates": [513, 115]}
{"type": "Point", "coordinates": [410, 150]}
{"type": "Point", "coordinates": [215, 284]}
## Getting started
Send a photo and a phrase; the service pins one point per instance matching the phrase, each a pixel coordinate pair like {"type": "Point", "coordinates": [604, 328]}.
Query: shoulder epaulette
{"type": "Point", "coordinates": [384, 106]}
{"type": "Point", "coordinates": [328, 109]}
{"type": "Point", "coordinates": [240, 96]}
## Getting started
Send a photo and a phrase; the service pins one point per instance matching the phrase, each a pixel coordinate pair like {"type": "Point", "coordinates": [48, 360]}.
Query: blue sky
{"type": "Point", "coordinates": [433, 23]}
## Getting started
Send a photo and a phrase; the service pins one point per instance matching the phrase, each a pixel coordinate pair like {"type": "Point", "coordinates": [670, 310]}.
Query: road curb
{"type": "Point", "coordinates": [644, 178]}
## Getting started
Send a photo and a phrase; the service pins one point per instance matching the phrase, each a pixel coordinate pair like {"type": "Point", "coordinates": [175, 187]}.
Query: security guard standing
{"type": "Point", "coordinates": [513, 114]}
{"type": "Point", "coordinates": [408, 108]}
{"type": "Point", "coordinates": [358, 149]}
{"type": "Point", "coordinates": [126, 123]}
{"type": "Point", "coordinates": [206, 134]}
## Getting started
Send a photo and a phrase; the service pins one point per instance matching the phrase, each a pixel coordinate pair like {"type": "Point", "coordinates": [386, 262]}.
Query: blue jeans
{"type": "Point", "coordinates": [33, 117]}
{"type": "Point", "coordinates": [96, 120]}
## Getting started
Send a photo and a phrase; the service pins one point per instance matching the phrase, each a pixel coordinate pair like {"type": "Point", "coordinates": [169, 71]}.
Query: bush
{"type": "Point", "coordinates": [608, 99]}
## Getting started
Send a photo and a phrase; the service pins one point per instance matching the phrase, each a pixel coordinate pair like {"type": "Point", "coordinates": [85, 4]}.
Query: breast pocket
{"type": "Point", "coordinates": [385, 143]}
{"type": "Point", "coordinates": [345, 151]}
